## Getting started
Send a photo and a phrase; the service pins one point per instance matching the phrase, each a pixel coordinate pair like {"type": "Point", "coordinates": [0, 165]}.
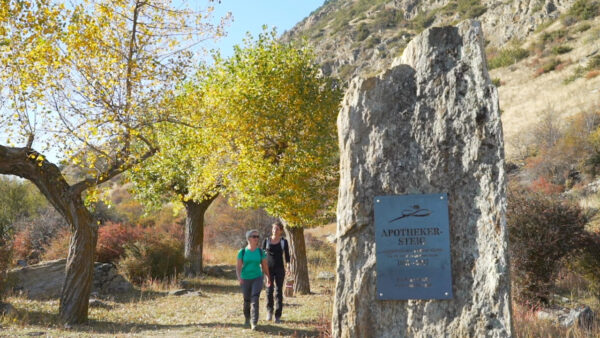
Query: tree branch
{"type": "Point", "coordinates": [32, 166]}
{"type": "Point", "coordinates": [117, 168]}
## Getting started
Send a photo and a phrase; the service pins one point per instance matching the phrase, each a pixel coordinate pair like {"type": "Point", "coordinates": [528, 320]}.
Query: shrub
{"type": "Point", "coordinates": [582, 28]}
{"type": "Point", "coordinates": [542, 185]}
{"type": "Point", "coordinates": [389, 18]}
{"type": "Point", "coordinates": [587, 262]}
{"type": "Point", "coordinates": [594, 63]}
{"type": "Point", "coordinates": [507, 57]}
{"type": "Point", "coordinates": [154, 256]}
{"type": "Point", "coordinates": [22, 245]}
{"type": "Point", "coordinates": [59, 246]}
{"type": "Point", "coordinates": [423, 20]}
{"type": "Point", "coordinates": [592, 74]}
{"type": "Point", "coordinates": [556, 50]}
{"type": "Point", "coordinates": [577, 73]}
{"type": "Point", "coordinates": [496, 82]}
{"type": "Point", "coordinates": [585, 9]}
{"type": "Point", "coordinates": [112, 239]}
{"type": "Point", "coordinates": [547, 67]}
{"type": "Point", "coordinates": [362, 32]}
{"type": "Point", "coordinates": [5, 259]}
{"type": "Point", "coordinates": [543, 229]}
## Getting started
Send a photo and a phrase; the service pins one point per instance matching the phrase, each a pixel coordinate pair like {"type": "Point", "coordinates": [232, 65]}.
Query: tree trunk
{"type": "Point", "coordinates": [194, 235]}
{"type": "Point", "coordinates": [298, 262]}
{"type": "Point", "coordinates": [74, 299]}
{"type": "Point", "coordinates": [23, 162]}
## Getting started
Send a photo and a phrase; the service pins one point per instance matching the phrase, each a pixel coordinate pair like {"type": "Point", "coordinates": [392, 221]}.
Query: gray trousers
{"type": "Point", "coordinates": [251, 289]}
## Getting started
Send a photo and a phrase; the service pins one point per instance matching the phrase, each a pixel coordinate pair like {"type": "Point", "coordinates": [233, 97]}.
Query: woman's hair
{"type": "Point", "coordinates": [249, 233]}
{"type": "Point", "coordinates": [279, 225]}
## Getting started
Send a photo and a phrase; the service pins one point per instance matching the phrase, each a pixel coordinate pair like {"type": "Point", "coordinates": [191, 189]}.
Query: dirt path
{"type": "Point", "coordinates": [216, 312]}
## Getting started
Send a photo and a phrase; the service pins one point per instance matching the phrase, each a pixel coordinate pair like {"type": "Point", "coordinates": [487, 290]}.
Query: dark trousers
{"type": "Point", "coordinates": [251, 289]}
{"type": "Point", "coordinates": [277, 277]}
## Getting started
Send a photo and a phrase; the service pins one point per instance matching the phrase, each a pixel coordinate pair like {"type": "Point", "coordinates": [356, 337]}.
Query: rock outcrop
{"type": "Point", "coordinates": [45, 280]}
{"type": "Point", "coordinates": [334, 29]}
{"type": "Point", "coordinates": [429, 124]}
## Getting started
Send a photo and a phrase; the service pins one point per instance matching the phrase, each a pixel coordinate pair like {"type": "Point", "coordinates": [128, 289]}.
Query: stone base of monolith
{"type": "Point", "coordinates": [430, 124]}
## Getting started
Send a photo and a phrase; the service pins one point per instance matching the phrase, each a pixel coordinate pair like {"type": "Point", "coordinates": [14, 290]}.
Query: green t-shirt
{"type": "Point", "coordinates": [251, 264]}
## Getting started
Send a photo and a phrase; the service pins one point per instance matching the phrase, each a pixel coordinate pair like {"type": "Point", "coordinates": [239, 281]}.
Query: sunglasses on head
{"type": "Point", "coordinates": [254, 236]}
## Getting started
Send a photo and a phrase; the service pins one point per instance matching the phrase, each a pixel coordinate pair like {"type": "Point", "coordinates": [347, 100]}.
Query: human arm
{"type": "Point", "coordinates": [265, 269]}
{"type": "Point", "coordinates": [286, 254]}
{"type": "Point", "coordinates": [238, 269]}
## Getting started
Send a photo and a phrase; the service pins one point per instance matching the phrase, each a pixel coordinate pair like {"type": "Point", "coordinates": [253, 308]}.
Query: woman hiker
{"type": "Point", "coordinates": [250, 260]}
{"type": "Point", "coordinates": [276, 247]}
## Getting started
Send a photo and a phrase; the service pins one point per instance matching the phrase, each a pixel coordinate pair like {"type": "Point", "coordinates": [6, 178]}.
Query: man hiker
{"type": "Point", "coordinates": [276, 248]}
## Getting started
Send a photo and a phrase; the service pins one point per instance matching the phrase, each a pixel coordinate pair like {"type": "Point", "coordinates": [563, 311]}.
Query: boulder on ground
{"type": "Point", "coordinates": [581, 316]}
{"type": "Point", "coordinates": [45, 280]}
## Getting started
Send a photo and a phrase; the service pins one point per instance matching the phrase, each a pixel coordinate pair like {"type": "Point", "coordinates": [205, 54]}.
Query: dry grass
{"type": "Point", "coordinates": [151, 311]}
{"type": "Point", "coordinates": [524, 97]}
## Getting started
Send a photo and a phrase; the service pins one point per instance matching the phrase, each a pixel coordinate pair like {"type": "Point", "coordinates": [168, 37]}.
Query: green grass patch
{"type": "Point", "coordinates": [507, 57]}
{"type": "Point", "coordinates": [582, 27]}
{"type": "Point", "coordinates": [562, 49]}
{"type": "Point", "coordinates": [548, 66]}
{"type": "Point", "coordinates": [585, 9]}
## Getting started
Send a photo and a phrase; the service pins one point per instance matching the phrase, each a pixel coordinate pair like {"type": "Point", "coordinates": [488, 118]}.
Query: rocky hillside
{"type": "Point", "coordinates": [543, 52]}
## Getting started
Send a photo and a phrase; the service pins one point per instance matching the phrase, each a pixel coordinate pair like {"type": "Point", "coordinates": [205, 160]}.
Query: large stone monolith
{"type": "Point", "coordinates": [429, 124]}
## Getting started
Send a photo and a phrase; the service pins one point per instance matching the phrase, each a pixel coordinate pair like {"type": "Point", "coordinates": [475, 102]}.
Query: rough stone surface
{"type": "Point", "coordinates": [326, 275]}
{"type": "Point", "coordinates": [108, 281]}
{"type": "Point", "coordinates": [583, 316]}
{"type": "Point", "coordinates": [429, 124]}
{"type": "Point", "coordinates": [179, 292]}
{"type": "Point", "coordinates": [342, 55]}
{"type": "Point", "coordinates": [38, 281]}
{"type": "Point", "coordinates": [7, 310]}
{"type": "Point", "coordinates": [45, 280]}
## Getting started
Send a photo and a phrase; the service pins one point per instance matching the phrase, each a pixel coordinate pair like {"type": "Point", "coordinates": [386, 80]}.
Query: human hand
{"type": "Point", "coordinates": [241, 281]}
{"type": "Point", "coordinates": [269, 282]}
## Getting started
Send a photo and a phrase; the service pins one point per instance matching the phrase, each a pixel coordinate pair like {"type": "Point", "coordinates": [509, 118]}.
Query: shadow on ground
{"type": "Point", "coordinates": [45, 320]}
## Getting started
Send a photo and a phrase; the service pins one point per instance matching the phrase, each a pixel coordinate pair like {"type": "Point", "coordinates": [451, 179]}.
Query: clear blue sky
{"type": "Point", "coordinates": [250, 15]}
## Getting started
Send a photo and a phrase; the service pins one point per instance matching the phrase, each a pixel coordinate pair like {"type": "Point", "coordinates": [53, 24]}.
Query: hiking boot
{"type": "Point", "coordinates": [247, 322]}
{"type": "Point", "coordinates": [253, 327]}
{"type": "Point", "coordinates": [277, 320]}
{"type": "Point", "coordinates": [269, 315]}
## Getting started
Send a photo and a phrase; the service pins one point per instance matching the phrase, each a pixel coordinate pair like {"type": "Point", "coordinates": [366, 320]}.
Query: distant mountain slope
{"type": "Point", "coordinates": [362, 37]}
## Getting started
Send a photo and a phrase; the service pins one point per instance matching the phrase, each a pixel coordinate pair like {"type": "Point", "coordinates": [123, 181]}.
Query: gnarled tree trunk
{"type": "Point", "coordinates": [298, 262]}
{"type": "Point", "coordinates": [76, 289]}
{"type": "Point", "coordinates": [194, 235]}
{"type": "Point", "coordinates": [26, 163]}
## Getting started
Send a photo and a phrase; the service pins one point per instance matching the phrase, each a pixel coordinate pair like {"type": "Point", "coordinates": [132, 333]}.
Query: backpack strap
{"type": "Point", "coordinates": [244, 251]}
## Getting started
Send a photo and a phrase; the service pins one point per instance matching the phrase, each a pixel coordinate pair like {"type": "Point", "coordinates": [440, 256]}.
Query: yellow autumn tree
{"type": "Point", "coordinates": [270, 115]}
{"type": "Point", "coordinates": [89, 82]}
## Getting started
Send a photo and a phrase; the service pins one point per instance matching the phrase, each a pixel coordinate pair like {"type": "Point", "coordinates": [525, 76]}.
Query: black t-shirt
{"type": "Point", "coordinates": [275, 254]}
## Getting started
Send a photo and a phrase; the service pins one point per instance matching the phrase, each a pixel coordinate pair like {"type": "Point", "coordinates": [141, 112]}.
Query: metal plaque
{"type": "Point", "coordinates": [413, 247]}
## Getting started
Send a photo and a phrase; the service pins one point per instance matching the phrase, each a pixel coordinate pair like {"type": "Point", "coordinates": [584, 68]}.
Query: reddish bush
{"type": "Point", "coordinates": [22, 244]}
{"type": "Point", "coordinates": [592, 74]}
{"type": "Point", "coordinates": [542, 185]}
{"type": "Point", "coordinates": [112, 238]}
{"type": "Point", "coordinates": [59, 246]}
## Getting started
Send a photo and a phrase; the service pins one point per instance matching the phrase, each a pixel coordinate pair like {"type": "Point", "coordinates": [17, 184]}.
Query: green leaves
{"type": "Point", "coordinates": [270, 121]}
